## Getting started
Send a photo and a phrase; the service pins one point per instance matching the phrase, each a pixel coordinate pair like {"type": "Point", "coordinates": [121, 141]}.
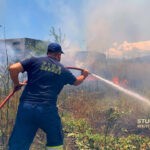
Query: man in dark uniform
{"type": "Point", "coordinates": [38, 102]}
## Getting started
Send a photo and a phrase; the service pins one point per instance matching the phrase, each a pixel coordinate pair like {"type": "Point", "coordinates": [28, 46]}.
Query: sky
{"type": "Point", "coordinates": [115, 27]}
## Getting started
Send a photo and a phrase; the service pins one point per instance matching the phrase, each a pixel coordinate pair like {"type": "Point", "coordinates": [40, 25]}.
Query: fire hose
{"type": "Point", "coordinates": [75, 68]}
{"type": "Point", "coordinates": [14, 90]}
{"type": "Point", "coordinates": [126, 91]}
{"type": "Point", "coordinates": [9, 96]}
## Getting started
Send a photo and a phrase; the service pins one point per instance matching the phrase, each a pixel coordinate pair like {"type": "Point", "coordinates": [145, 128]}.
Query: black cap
{"type": "Point", "coordinates": [55, 48]}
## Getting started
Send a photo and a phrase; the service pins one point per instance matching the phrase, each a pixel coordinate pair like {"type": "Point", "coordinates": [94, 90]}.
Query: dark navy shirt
{"type": "Point", "coordinates": [46, 78]}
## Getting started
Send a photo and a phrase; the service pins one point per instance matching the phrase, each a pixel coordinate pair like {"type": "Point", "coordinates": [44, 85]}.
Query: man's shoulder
{"type": "Point", "coordinates": [38, 58]}
{"type": "Point", "coordinates": [41, 57]}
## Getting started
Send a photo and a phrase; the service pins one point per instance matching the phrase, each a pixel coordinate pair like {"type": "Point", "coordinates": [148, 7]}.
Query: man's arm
{"type": "Point", "coordinates": [14, 70]}
{"type": "Point", "coordinates": [81, 78]}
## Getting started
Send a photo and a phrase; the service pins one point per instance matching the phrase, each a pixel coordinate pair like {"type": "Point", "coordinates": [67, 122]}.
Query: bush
{"type": "Point", "coordinates": [86, 139]}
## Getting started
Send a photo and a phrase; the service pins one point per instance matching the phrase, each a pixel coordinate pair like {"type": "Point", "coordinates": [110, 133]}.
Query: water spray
{"type": "Point", "coordinates": [126, 91]}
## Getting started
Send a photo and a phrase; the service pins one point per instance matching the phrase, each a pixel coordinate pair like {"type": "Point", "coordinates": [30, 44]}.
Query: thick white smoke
{"type": "Point", "coordinates": [117, 21]}
{"type": "Point", "coordinates": [96, 25]}
{"type": "Point", "coordinates": [126, 49]}
{"type": "Point", "coordinates": [6, 51]}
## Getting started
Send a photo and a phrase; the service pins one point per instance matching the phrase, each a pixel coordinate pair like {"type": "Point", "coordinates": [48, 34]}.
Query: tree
{"type": "Point", "coordinates": [57, 36]}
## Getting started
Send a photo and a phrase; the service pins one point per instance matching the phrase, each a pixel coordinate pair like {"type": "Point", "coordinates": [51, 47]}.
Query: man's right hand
{"type": "Point", "coordinates": [85, 73]}
{"type": "Point", "coordinates": [81, 78]}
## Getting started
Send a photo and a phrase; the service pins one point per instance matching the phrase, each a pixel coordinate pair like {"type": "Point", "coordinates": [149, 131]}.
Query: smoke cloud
{"type": "Point", "coordinates": [96, 25]}
{"type": "Point", "coordinates": [130, 49]}
{"type": "Point", "coordinates": [117, 21]}
{"type": "Point", "coordinates": [66, 17]}
{"type": "Point", "coordinates": [116, 27]}
{"type": "Point", "coordinates": [10, 53]}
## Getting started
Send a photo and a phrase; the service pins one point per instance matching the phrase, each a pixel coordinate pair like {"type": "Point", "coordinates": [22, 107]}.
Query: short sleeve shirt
{"type": "Point", "coordinates": [46, 78]}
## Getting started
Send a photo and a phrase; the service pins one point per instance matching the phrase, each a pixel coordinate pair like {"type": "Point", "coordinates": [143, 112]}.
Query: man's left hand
{"type": "Point", "coordinates": [18, 86]}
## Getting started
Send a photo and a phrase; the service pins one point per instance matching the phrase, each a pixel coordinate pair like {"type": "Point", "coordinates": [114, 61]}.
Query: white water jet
{"type": "Point", "coordinates": [128, 92]}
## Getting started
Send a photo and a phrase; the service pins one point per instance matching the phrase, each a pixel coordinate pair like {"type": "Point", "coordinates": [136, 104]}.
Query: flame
{"type": "Point", "coordinates": [122, 82]}
{"type": "Point", "coordinates": [115, 80]}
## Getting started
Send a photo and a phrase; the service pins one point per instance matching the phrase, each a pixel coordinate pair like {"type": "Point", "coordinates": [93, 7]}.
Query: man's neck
{"type": "Point", "coordinates": [52, 56]}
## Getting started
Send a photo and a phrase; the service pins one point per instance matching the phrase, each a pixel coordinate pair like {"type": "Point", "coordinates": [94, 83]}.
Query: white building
{"type": "Point", "coordinates": [17, 48]}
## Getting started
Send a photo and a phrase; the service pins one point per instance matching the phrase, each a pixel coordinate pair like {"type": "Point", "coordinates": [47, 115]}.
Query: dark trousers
{"type": "Point", "coordinates": [31, 117]}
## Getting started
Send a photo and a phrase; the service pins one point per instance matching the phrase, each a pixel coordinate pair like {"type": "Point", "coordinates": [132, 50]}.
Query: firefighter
{"type": "Point", "coordinates": [38, 102]}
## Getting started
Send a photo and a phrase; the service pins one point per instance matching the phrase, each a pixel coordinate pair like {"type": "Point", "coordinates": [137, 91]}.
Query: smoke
{"type": "Point", "coordinates": [130, 49]}
{"type": "Point", "coordinates": [96, 25]}
{"type": "Point", "coordinates": [10, 52]}
{"type": "Point", "coordinates": [117, 21]}
{"type": "Point", "coordinates": [66, 17]}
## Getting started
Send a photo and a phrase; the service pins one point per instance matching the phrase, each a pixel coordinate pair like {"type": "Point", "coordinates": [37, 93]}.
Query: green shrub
{"type": "Point", "coordinates": [86, 139]}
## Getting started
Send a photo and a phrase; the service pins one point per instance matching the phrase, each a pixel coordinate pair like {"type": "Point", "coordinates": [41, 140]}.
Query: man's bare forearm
{"type": "Point", "coordinates": [81, 78]}
{"type": "Point", "coordinates": [14, 70]}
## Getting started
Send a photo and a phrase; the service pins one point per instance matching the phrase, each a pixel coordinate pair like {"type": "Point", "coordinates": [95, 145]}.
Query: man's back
{"type": "Point", "coordinates": [46, 78]}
